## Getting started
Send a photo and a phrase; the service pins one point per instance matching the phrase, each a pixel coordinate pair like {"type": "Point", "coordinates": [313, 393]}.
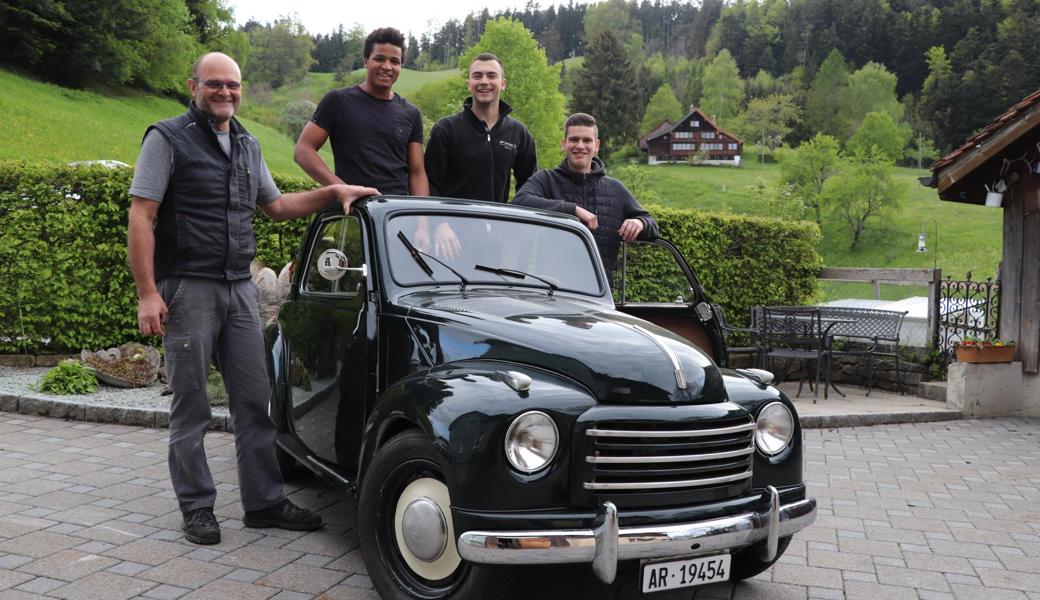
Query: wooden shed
{"type": "Point", "coordinates": [695, 135]}
{"type": "Point", "coordinates": [1005, 157]}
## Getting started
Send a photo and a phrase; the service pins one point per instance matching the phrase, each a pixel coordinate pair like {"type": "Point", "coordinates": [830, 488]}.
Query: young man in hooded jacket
{"type": "Point", "coordinates": [579, 186]}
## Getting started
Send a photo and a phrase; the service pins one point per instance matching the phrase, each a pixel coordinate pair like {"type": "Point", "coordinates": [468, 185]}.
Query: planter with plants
{"type": "Point", "coordinates": [975, 350]}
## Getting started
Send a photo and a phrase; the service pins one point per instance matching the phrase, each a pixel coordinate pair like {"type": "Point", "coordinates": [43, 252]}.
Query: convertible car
{"type": "Point", "coordinates": [468, 371]}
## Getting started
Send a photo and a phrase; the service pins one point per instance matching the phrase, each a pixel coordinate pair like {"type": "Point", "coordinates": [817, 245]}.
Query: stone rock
{"type": "Point", "coordinates": [130, 365]}
{"type": "Point", "coordinates": [267, 284]}
{"type": "Point", "coordinates": [285, 281]}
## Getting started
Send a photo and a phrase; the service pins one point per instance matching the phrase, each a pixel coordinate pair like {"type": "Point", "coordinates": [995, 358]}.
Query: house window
{"type": "Point", "coordinates": [683, 146]}
{"type": "Point", "coordinates": [732, 146]}
{"type": "Point", "coordinates": [708, 135]}
{"type": "Point", "coordinates": [695, 123]}
{"type": "Point", "coordinates": [684, 135]}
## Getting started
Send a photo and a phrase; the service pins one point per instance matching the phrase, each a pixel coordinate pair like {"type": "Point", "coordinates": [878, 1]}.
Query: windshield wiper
{"type": "Point", "coordinates": [418, 255]}
{"type": "Point", "coordinates": [518, 275]}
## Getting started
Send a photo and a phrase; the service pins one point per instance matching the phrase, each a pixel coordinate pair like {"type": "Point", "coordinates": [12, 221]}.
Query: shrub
{"type": "Point", "coordinates": [295, 117]}
{"type": "Point", "coordinates": [741, 261]}
{"type": "Point", "coordinates": [65, 283]}
{"type": "Point", "coordinates": [64, 279]}
{"type": "Point", "coordinates": [69, 377]}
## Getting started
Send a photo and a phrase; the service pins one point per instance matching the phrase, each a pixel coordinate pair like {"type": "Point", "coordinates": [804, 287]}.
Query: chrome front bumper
{"type": "Point", "coordinates": [605, 545]}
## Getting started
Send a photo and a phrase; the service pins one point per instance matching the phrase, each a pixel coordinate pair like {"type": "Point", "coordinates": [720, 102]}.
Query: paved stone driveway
{"type": "Point", "coordinates": [930, 510]}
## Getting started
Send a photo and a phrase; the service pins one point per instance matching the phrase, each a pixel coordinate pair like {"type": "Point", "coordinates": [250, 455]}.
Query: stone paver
{"type": "Point", "coordinates": [924, 511]}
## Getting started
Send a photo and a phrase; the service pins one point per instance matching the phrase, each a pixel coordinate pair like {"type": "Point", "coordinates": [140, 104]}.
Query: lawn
{"type": "Point", "coordinates": [969, 237]}
{"type": "Point", "coordinates": [41, 121]}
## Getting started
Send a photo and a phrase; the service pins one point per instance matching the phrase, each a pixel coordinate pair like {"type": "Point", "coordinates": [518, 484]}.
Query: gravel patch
{"type": "Point", "coordinates": [131, 406]}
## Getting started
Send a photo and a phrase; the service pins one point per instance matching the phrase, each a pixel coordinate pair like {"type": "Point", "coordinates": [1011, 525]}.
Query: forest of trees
{"type": "Point", "coordinates": [776, 71]}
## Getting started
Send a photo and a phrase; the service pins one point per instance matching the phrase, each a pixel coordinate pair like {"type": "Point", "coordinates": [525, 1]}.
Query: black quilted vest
{"type": "Point", "coordinates": [205, 222]}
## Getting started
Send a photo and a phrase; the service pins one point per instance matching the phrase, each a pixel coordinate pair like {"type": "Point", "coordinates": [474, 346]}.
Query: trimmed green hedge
{"type": "Point", "coordinates": [65, 283]}
{"type": "Point", "coordinates": [741, 261]}
{"type": "Point", "coordinates": [64, 279]}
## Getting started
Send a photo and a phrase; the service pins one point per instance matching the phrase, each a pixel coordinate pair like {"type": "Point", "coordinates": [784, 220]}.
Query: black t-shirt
{"type": "Point", "coordinates": [370, 137]}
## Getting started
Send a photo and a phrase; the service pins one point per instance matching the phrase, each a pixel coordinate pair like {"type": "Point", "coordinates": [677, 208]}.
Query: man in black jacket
{"type": "Point", "coordinates": [471, 153]}
{"type": "Point", "coordinates": [580, 187]}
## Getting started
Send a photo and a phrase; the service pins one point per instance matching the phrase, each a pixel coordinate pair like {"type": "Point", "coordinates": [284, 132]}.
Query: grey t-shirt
{"type": "Point", "coordinates": [155, 166]}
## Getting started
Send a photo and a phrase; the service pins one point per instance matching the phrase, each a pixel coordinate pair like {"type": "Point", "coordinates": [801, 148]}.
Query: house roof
{"type": "Point", "coordinates": [662, 127]}
{"type": "Point", "coordinates": [693, 111]}
{"type": "Point", "coordinates": [982, 150]}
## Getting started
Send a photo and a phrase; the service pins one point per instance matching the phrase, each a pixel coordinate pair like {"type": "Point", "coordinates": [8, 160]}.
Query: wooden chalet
{"type": "Point", "coordinates": [696, 136]}
{"type": "Point", "coordinates": [664, 127]}
{"type": "Point", "coordinates": [1005, 157]}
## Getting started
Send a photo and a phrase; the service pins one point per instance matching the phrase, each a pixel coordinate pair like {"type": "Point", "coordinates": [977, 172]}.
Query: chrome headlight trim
{"type": "Point", "coordinates": [531, 442]}
{"type": "Point", "coordinates": [774, 428]}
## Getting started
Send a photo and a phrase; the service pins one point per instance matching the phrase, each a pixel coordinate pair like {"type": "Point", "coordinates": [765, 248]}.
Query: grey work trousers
{"type": "Point", "coordinates": [215, 319]}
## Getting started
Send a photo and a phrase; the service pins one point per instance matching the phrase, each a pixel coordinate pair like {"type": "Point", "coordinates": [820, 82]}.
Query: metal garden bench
{"type": "Point", "coordinates": [873, 332]}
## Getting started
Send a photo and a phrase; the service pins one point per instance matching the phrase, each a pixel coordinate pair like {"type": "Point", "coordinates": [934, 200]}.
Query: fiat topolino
{"type": "Point", "coordinates": [466, 370]}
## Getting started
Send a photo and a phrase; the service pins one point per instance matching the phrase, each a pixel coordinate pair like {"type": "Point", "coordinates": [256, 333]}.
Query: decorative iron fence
{"type": "Point", "coordinates": [966, 309]}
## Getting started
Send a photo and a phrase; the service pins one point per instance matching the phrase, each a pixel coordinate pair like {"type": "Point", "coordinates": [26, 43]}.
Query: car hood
{"type": "Point", "coordinates": [620, 358]}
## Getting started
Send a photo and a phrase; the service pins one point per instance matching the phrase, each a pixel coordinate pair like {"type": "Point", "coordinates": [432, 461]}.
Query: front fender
{"type": "Point", "coordinates": [785, 468]}
{"type": "Point", "coordinates": [465, 408]}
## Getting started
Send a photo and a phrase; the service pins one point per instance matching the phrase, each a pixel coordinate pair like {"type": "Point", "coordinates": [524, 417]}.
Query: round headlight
{"type": "Point", "coordinates": [775, 428]}
{"type": "Point", "coordinates": [531, 441]}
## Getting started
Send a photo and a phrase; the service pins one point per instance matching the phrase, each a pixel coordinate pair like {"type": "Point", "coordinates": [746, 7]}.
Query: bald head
{"type": "Point", "coordinates": [216, 87]}
{"type": "Point", "coordinates": [201, 61]}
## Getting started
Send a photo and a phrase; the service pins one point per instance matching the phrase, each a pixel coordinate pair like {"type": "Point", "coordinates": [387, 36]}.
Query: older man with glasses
{"type": "Point", "coordinates": [199, 178]}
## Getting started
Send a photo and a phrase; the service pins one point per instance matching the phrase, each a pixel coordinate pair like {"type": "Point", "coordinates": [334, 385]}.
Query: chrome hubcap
{"type": "Point", "coordinates": [424, 530]}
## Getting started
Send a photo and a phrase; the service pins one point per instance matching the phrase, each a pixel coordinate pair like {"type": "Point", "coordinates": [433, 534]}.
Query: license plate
{"type": "Point", "coordinates": [674, 574]}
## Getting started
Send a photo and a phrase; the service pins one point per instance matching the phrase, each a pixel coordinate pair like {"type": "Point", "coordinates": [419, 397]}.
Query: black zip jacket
{"type": "Point", "coordinates": [562, 190]}
{"type": "Point", "coordinates": [465, 159]}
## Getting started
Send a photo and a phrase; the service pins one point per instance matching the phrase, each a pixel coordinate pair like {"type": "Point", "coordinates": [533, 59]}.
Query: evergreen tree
{"type": "Point", "coordinates": [694, 78]}
{"type": "Point", "coordinates": [663, 105]}
{"type": "Point", "coordinates": [723, 89]}
{"type": "Point", "coordinates": [146, 43]}
{"type": "Point", "coordinates": [603, 89]}
{"type": "Point", "coordinates": [413, 51]}
{"type": "Point", "coordinates": [823, 104]}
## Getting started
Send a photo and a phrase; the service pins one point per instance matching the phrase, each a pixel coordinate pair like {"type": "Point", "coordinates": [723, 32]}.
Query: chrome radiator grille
{"type": "Point", "coordinates": [627, 457]}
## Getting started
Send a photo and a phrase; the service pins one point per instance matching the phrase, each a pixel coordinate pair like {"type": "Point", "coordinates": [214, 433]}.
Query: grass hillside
{"type": "Point", "coordinates": [970, 236]}
{"type": "Point", "coordinates": [41, 121]}
{"type": "Point", "coordinates": [266, 105]}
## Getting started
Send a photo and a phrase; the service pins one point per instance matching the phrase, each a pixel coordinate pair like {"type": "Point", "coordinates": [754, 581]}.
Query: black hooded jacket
{"type": "Point", "coordinates": [464, 159]}
{"type": "Point", "coordinates": [562, 189]}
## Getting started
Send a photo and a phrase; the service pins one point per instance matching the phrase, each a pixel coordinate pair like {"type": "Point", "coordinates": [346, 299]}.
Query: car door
{"type": "Point", "coordinates": [325, 330]}
{"type": "Point", "coordinates": [656, 284]}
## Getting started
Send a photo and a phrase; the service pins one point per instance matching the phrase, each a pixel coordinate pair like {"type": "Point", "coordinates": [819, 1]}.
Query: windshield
{"type": "Point", "coordinates": [547, 255]}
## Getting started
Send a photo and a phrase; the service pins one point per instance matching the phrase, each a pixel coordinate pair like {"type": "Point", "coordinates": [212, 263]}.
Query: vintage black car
{"type": "Point", "coordinates": [465, 369]}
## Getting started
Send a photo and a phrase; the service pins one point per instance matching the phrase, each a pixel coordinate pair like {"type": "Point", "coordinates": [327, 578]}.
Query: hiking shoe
{"type": "Point", "coordinates": [284, 516]}
{"type": "Point", "coordinates": [201, 527]}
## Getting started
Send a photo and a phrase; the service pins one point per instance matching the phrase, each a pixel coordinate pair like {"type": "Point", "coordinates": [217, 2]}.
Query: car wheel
{"type": "Point", "coordinates": [407, 537]}
{"type": "Point", "coordinates": [746, 563]}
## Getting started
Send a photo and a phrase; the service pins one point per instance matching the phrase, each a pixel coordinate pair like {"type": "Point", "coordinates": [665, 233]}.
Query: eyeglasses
{"type": "Point", "coordinates": [215, 85]}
